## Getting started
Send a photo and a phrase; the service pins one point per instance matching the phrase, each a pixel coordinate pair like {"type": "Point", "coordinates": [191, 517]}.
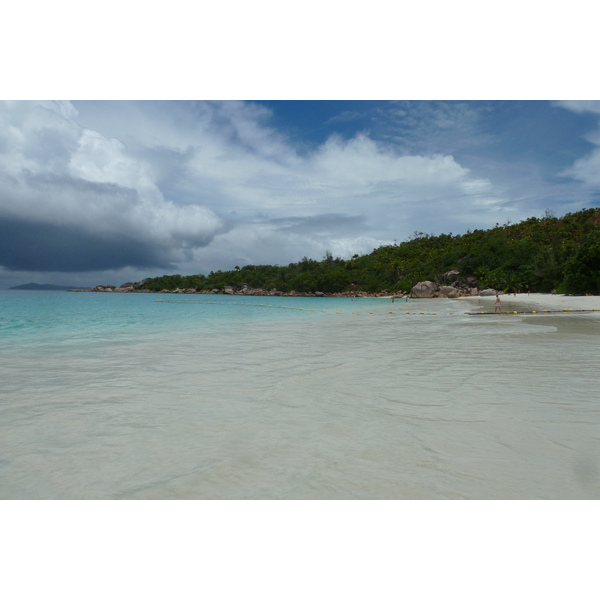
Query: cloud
{"type": "Point", "coordinates": [587, 168]}
{"type": "Point", "coordinates": [325, 224]}
{"type": "Point", "coordinates": [432, 127]}
{"type": "Point", "coordinates": [244, 170]}
{"type": "Point", "coordinates": [361, 172]}
{"type": "Point", "coordinates": [29, 246]}
{"type": "Point", "coordinates": [345, 117]}
{"type": "Point", "coordinates": [254, 243]}
{"type": "Point", "coordinates": [580, 106]}
{"type": "Point", "coordinates": [65, 182]}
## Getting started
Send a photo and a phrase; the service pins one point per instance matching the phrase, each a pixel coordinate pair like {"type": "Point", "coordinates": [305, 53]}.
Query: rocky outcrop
{"type": "Point", "coordinates": [424, 289]}
{"type": "Point", "coordinates": [448, 291]}
{"type": "Point", "coordinates": [435, 289]}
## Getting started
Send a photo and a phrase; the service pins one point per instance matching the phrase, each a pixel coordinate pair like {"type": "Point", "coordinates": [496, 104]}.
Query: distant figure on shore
{"type": "Point", "coordinates": [498, 306]}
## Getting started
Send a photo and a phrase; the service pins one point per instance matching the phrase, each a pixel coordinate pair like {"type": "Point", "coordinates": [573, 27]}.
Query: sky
{"type": "Point", "coordinates": [104, 192]}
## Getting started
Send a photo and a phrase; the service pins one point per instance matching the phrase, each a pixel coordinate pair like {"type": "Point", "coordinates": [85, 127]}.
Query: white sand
{"type": "Point", "coordinates": [553, 302]}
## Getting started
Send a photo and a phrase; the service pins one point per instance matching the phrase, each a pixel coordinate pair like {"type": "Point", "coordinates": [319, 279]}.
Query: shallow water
{"type": "Point", "coordinates": [121, 396]}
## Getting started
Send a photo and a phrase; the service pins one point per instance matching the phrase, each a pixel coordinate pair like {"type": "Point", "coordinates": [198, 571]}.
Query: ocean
{"type": "Point", "coordinates": [164, 396]}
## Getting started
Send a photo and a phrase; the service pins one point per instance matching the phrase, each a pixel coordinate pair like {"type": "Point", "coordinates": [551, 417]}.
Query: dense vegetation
{"type": "Point", "coordinates": [538, 255]}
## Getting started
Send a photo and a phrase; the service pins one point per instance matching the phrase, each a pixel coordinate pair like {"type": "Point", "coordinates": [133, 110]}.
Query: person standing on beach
{"type": "Point", "coordinates": [498, 306]}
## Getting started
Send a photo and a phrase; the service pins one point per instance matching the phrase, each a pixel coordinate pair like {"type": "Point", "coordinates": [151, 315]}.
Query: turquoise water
{"type": "Point", "coordinates": [31, 318]}
{"type": "Point", "coordinates": [175, 396]}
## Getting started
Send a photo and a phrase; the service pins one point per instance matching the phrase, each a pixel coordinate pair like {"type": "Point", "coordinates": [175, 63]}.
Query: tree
{"type": "Point", "coordinates": [582, 270]}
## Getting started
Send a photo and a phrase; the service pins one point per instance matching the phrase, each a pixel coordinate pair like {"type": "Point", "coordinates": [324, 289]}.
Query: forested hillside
{"type": "Point", "coordinates": [538, 254]}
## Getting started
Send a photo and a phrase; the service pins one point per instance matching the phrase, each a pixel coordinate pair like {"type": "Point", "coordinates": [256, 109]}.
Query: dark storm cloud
{"type": "Point", "coordinates": [73, 195]}
{"type": "Point", "coordinates": [74, 200]}
{"type": "Point", "coordinates": [27, 246]}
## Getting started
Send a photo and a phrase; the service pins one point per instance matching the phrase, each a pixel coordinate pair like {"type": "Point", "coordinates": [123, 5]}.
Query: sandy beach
{"type": "Point", "coordinates": [537, 302]}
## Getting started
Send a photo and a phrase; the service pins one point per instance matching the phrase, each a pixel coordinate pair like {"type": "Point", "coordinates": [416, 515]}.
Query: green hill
{"type": "Point", "coordinates": [538, 254]}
